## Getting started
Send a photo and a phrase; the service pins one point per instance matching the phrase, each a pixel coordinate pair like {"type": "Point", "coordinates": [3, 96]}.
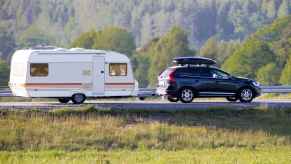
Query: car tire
{"type": "Point", "coordinates": [246, 95]}
{"type": "Point", "coordinates": [231, 99]}
{"type": "Point", "coordinates": [186, 95]}
{"type": "Point", "coordinates": [141, 98]}
{"type": "Point", "coordinates": [173, 99]}
{"type": "Point", "coordinates": [78, 98]}
{"type": "Point", "coordinates": [64, 100]}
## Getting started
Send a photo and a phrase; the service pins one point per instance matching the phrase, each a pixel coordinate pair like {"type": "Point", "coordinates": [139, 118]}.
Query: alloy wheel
{"type": "Point", "coordinates": [187, 95]}
{"type": "Point", "coordinates": [246, 95]}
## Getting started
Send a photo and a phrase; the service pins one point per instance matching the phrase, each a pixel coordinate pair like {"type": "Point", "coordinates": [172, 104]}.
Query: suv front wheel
{"type": "Point", "coordinates": [186, 95]}
{"type": "Point", "coordinates": [246, 95]}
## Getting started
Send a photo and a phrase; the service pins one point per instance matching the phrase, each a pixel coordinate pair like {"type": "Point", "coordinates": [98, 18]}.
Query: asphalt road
{"type": "Point", "coordinates": [149, 105]}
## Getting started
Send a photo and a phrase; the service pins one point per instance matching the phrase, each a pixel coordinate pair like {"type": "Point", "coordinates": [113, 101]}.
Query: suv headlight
{"type": "Point", "coordinates": [257, 84]}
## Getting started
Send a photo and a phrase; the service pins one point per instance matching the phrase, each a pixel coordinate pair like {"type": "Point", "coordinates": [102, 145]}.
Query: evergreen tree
{"type": "Point", "coordinates": [141, 69]}
{"type": "Point", "coordinates": [268, 74]}
{"type": "Point", "coordinates": [286, 73]}
{"type": "Point", "coordinates": [7, 44]}
{"type": "Point", "coordinates": [146, 19]}
{"type": "Point", "coordinates": [284, 9]}
{"type": "Point", "coordinates": [270, 8]}
{"type": "Point", "coordinates": [4, 73]}
{"type": "Point", "coordinates": [210, 48]}
{"type": "Point", "coordinates": [173, 44]}
{"type": "Point", "coordinates": [115, 39]}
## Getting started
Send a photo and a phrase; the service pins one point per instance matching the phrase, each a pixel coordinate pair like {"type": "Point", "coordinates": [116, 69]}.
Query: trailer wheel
{"type": "Point", "coordinates": [78, 98]}
{"type": "Point", "coordinates": [141, 98]}
{"type": "Point", "coordinates": [64, 100]}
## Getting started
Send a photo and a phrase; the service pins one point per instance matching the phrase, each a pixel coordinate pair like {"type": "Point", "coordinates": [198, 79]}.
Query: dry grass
{"type": "Point", "coordinates": [86, 135]}
{"type": "Point", "coordinates": [87, 129]}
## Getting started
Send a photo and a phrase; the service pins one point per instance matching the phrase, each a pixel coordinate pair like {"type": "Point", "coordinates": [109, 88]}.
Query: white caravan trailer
{"type": "Point", "coordinates": [71, 74]}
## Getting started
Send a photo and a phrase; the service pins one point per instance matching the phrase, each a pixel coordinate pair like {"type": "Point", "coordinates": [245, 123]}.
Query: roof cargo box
{"type": "Point", "coordinates": [194, 61]}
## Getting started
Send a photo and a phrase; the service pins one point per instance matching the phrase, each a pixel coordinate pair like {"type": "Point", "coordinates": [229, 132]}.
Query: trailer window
{"type": "Point", "coordinates": [118, 69]}
{"type": "Point", "coordinates": [39, 69]}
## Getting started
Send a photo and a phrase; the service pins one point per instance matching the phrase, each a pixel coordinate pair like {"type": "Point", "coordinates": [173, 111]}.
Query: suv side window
{"type": "Point", "coordinates": [204, 72]}
{"type": "Point", "coordinates": [184, 73]}
{"type": "Point", "coordinates": [219, 74]}
{"type": "Point", "coordinates": [192, 72]}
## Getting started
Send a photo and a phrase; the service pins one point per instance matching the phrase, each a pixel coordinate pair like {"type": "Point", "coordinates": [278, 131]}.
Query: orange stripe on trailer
{"type": "Point", "coordinates": [69, 85]}
{"type": "Point", "coordinates": [119, 83]}
{"type": "Point", "coordinates": [30, 84]}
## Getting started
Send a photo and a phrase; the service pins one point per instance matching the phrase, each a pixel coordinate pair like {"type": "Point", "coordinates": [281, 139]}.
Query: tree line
{"type": "Point", "coordinates": [58, 22]}
{"type": "Point", "coordinates": [265, 55]}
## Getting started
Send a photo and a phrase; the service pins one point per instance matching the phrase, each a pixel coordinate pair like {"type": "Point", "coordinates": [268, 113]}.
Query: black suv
{"type": "Point", "coordinates": [197, 77]}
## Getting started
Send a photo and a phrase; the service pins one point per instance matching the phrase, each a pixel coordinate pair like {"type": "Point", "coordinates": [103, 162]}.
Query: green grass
{"type": "Point", "coordinates": [275, 96]}
{"type": "Point", "coordinates": [216, 135]}
{"type": "Point", "coordinates": [279, 155]}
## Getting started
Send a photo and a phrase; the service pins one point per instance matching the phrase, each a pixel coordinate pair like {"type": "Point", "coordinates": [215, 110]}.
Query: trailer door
{"type": "Point", "coordinates": [98, 75]}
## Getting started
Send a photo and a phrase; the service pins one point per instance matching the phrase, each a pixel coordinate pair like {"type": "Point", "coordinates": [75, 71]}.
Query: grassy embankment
{"type": "Point", "coordinates": [86, 135]}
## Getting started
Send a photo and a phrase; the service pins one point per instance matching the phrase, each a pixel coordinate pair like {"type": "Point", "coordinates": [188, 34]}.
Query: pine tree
{"type": "Point", "coordinates": [4, 73]}
{"type": "Point", "coordinates": [268, 74]}
{"type": "Point", "coordinates": [283, 9]}
{"type": "Point", "coordinates": [286, 73]}
{"type": "Point", "coordinates": [209, 49]}
{"type": "Point", "coordinates": [173, 44]}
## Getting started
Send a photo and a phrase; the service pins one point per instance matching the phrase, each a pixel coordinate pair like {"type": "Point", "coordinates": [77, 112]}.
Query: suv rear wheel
{"type": "Point", "coordinates": [246, 95]}
{"type": "Point", "coordinates": [186, 95]}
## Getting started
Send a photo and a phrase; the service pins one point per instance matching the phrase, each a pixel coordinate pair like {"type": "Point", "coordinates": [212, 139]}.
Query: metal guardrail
{"type": "Point", "coordinates": [148, 92]}
{"type": "Point", "coordinates": [276, 89]}
{"type": "Point", "coordinates": [5, 92]}
{"type": "Point", "coordinates": [265, 89]}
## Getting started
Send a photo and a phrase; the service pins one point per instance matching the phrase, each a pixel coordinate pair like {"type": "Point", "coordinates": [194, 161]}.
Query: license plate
{"type": "Point", "coordinates": [162, 83]}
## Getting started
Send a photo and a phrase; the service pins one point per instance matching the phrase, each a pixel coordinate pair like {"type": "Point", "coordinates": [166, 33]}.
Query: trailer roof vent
{"type": "Point", "coordinates": [42, 47]}
{"type": "Point", "coordinates": [60, 49]}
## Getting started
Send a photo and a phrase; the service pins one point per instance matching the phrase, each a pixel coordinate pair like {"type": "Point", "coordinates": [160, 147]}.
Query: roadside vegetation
{"type": "Point", "coordinates": [261, 54]}
{"type": "Point", "coordinates": [64, 134]}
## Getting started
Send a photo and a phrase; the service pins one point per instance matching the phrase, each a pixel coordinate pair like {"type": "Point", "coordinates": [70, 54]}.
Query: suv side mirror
{"type": "Point", "coordinates": [215, 76]}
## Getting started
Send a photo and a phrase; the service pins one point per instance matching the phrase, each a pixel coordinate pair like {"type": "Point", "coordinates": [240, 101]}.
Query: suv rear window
{"type": "Point", "coordinates": [166, 73]}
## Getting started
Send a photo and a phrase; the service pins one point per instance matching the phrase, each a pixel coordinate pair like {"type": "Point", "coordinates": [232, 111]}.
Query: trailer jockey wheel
{"type": "Point", "coordinates": [64, 100]}
{"type": "Point", "coordinates": [78, 98]}
{"type": "Point", "coordinates": [173, 99]}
